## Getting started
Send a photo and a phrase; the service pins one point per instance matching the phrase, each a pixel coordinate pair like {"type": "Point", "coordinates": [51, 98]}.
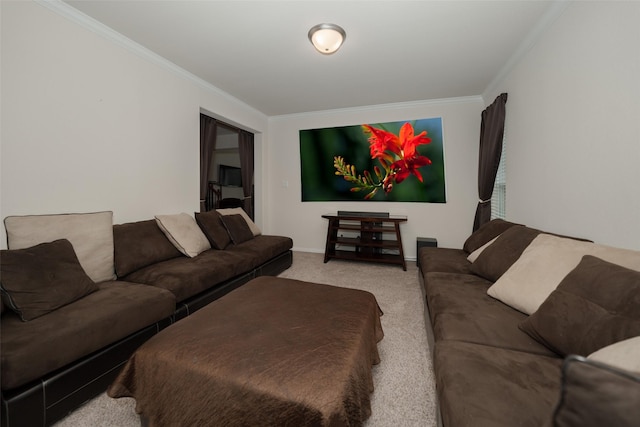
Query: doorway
{"type": "Point", "coordinates": [226, 166]}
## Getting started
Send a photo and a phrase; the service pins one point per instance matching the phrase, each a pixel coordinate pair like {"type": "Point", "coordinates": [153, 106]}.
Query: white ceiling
{"type": "Point", "coordinates": [395, 51]}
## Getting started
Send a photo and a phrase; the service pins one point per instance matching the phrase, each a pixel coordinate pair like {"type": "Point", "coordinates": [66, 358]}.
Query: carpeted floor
{"type": "Point", "coordinates": [404, 389]}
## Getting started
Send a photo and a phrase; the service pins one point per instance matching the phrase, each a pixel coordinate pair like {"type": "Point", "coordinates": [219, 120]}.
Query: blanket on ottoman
{"type": "Point", "coordinates": [273, 352]}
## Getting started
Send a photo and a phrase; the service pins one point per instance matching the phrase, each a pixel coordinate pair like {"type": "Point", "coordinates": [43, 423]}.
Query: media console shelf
{"type": "Point", "coordinates": [378, 240]}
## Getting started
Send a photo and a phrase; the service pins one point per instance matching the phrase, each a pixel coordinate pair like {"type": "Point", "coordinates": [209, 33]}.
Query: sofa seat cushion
{"type": "Point", "coordinates": [187, 277]}
{"type": "Point", "coordinates": [444, 260]}
{"type": "Point", "coordinates": [114, 311]}
{"type": "Point", "coordinates": [262, 248]}
{"type": "Point", "coordinates": [487, 386]}
{"type": "Point", "coordinates": [461, 310]}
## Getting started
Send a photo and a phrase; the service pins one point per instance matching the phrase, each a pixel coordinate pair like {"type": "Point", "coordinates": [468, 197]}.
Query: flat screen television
{"type": "Point", "coordinates": [229, 176]}
{"type": "Point", "coordinates": [399, 161]}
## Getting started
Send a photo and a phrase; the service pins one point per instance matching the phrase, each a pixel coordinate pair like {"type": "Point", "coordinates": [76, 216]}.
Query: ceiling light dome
{"type": "Point", "coordinates": [327, 38]}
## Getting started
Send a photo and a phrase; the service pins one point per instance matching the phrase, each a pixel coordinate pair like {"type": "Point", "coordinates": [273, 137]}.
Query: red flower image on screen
{"type": "Point", "coordinates": [396, 154]}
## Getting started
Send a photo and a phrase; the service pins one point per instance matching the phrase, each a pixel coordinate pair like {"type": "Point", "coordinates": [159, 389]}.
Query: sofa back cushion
{"type": "Point", "coordinates": [596, 304]}
{"type": "Point", "coordinates": [497, 257]}
{"type": "Point", "coordinates": [211, 225]}
{"type": "Point", "coordinates": [237, 228]}
{"type": "Point", "coordinates": [140, 244]}
{"type": "Point", "coordinates": [183, 231]}
{"type": "Point", "coordinates": [623, 354]}
{"type": "Point", "coordinates": [543, 265]}
{"type": "Point", "coordinates": [486, 233]}
{"type": "Point", "coordinates": [91, 235]}
{"type": "Point", "coordinates": [42, 278]}
{"type": "Point", "coordinates": [239, 211]}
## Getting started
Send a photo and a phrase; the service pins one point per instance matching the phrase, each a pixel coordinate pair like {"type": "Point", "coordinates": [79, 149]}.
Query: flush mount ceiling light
{"type": "Point", "coordinates": [327, 38]}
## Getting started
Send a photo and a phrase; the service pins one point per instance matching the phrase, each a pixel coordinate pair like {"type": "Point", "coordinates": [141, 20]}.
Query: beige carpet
{"type": "Point", "coordinates": [404, 389]}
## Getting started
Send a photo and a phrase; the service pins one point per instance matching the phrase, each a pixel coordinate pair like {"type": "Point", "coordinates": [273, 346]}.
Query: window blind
{"type": "Point", "coordinates": [499, 196]}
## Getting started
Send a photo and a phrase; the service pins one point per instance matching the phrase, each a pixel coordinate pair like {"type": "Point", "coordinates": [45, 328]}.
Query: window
{"type": "Point", "coordinates": [499, 196]}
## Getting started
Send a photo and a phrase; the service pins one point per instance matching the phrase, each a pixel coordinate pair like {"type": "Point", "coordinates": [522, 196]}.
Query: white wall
{"type": "Point", "coordinates": [450, 223]}
{"type": "Point", "coordinates": [89, 125]}
{"type": "Point", "coordinates": [573, 126]}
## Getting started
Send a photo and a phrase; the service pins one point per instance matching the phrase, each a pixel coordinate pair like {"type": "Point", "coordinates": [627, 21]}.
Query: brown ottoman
{"type": "Point", "coordinates": [272, 352]}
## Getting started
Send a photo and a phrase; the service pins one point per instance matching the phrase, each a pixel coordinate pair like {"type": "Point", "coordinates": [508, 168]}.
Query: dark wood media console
{"type": "Point", "coordinates": [379, 238]}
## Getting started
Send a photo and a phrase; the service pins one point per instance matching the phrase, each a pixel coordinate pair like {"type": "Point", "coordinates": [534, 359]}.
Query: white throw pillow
{"type": "Point", "coordinates": [233, 211]}
{"type": "Point", "coordinates": [623, 354]}
{"type": "Point", "coordinates": [543, 265]}
{"type": "Point", "coordinates": [185, 234]}
{"type": "Point", "coordinates": [91, 235]}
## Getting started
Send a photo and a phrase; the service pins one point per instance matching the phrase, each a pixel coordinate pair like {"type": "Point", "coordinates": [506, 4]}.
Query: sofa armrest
{"type": "Point", "coordinates": [596, 394]}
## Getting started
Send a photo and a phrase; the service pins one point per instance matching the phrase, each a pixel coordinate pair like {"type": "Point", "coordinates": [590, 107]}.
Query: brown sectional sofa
{"type": "Point", "coordinates": [144, 255]}
{"type": "Point", "coordinates": [55, 362]}
{"type": "Point", "coordinates": [488, 370]}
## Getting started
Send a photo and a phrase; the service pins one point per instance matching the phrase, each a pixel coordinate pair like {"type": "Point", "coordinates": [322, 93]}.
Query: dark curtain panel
{"type": "Point", "coordinates": [208, 127]}
{"type": "Point", "coordinates": [491, 133]}
{"type": "Point", "coordinates": [245, 145]}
